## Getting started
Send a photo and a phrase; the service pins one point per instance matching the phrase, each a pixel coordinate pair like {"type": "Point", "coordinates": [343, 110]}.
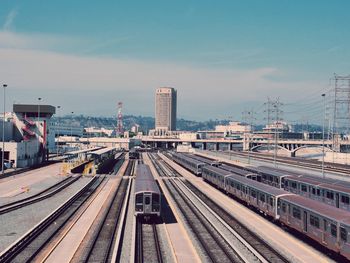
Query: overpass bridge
{"type": "Point", "coordinates": [290, 146]}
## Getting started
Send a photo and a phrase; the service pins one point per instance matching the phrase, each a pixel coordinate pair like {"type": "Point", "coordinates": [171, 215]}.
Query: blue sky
{"type": "Point", "coordinates": [222, 56]}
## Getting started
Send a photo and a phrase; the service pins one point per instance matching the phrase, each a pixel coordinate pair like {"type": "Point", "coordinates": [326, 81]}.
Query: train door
{"type": "Point", "coordinates": [337, 200]}
{"type": "Point", "coordinates": [305, 221]}
{"type": "Point", "coordinates": [147, 200]}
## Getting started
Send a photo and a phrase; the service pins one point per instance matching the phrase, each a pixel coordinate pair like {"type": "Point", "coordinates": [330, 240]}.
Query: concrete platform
{"type": "Point", "coordinates": [24, 182]}
{"type": "Point", "coordinates": [294, 249]}
{"type": "Point", "coordinates": [66, 246]}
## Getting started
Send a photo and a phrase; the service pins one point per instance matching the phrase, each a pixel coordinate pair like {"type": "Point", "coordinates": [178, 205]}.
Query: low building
{"type": "Point", "coordinates": [26, 134]}
{"type": "Point", "coordinates": [98, 132]}
{"type": "Point", "coordinates": [233, 128]}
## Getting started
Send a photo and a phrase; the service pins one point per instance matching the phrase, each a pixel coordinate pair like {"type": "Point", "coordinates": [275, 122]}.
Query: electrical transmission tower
{"type": "Point", "coordinates": [341, 109]}
{"type": "Point", "coordinates": [268, 111]}
{"type": "Point", "coordinates": [274, 120]}
{"type": "Point", "coordinates": [120, 119]}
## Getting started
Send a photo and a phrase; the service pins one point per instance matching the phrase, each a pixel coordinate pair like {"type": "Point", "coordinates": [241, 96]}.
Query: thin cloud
{"type": "Point", "coordinates": [10, 18]}
{"type": "Point", "coordinates": [103, 81]}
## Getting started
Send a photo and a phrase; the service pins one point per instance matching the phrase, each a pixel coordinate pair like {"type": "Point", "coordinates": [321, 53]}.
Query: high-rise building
{"type": "Point", "coordinates": [165, 109]}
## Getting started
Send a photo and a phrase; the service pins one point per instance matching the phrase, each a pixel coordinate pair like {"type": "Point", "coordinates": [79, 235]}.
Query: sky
{"type": "Point", "coordinates": [223, 57]}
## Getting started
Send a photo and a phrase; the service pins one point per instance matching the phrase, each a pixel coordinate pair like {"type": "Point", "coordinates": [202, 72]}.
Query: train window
{"type": "Point", "coordinates": [318, 192]}
{"type": "Point", "coordinates": [139, 199]}
{"type": "Point", "coordinates": [333, 230]}
{"type": "Point", "coordinates": [325, 225]}
{"type": "Point", "coordinates": [271, 201]}
{"type": "Point", "coordinates": [294, 185]}
{"type": "Point", "coordinates": [155, 199]}
{"type": "Point", "coordinates": [253, 193]}
{"type": "Point", "coordinates": [286, 183]}
{"type": "Point", "coordinates": [314, 221]}
{"type": "Point", "coordinates": [345, 199]}
{"type": "Point", "coordinates": [313, 191]}
{"type": "Point", "coordinates": [238, 187]}
{"type": "Point", "coordinates": [284, 207]}
{"type": "Point", "coordinates": [330, 195]}
{"type": "Point", "coordinates": [262, 198]}
{"type": "Point", "coordinates": [296, 213]}
{"type": "Point", "coordinates": [303, 188]}
{"type": "Point", "coordinates": [147, 200]}
{"type": "Point", "coordinates": [343, 234]}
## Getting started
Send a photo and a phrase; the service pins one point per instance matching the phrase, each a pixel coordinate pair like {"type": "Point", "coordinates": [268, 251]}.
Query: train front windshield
{"type": "Point", "coordinates": [139, 202]}
{"type": "Point", "coordinates": [155, 202]}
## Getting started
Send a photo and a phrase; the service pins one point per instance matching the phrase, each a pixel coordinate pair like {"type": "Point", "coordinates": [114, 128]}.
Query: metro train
{"type": "Point", "coordinates": [327, 225]}
{"type": "Point", "coordinates": [147, 193]}
{"type": "Point", "coordinates": [329, 191]}
{"type": "Point", "coordinates": [193, 165]}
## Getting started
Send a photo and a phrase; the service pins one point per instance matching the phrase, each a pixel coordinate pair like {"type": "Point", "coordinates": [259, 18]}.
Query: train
{"type": "Point", "coordinates": [134, 154]}
{"type": "Point", "coordinates": [318, 219]}
{"type": "Point", "coordinates": [329, 191]}
{"type": "Point", "coordinates": [147, 194]}
{"type": "Point", "coordinates": [193, 165]}
{"type": "Point", "coordinates": [327, 225]}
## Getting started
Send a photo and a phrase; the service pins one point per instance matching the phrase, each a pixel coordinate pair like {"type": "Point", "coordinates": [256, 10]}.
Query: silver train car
{"type": "Point", "coordinates": [331, 194]}
{"type": "Point", "coordinates": [329, 191]}
{"type": "Point", "coordinates": [327, 225]}
{"type": "Point", "coordinates": [147, 193]}
{"type": "Point", "coordinates": [204, 160]}
{"type": "Point", "coordinates": [191, 164]}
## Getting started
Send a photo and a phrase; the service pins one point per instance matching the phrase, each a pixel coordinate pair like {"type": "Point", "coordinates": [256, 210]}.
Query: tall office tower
{"type": "Point", "coordinates": [165, 109]}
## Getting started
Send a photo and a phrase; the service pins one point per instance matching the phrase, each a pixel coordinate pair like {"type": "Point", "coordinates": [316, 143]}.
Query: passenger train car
{"type": "Point", "coordinates": [191, 164]}
{"type": "Point", "coordinates": [204, 160]}
{"type": "Point", "coordinates": [329, 191]}
{"type": "Point", "coordinates": [147, 193]}
{"type": "Point", "coordinates": [325, 224]}
{"type": "Point", "coordinates": [133, 154]}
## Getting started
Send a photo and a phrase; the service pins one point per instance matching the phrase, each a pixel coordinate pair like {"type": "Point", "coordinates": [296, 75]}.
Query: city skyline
{"type": "Point", "coordinates": [222, 58]}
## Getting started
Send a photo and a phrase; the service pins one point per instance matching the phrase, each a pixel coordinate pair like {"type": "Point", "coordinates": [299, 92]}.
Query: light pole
{"type": "Point", "coordinates": [71, 132]}
{"type": "Point", "coordinates": [324, 117]}
{"type": "Point", "coordinates": [58, 130]}
{"type": "Point", "coordinates": [3, 135]}
{"type": "Point", "coordinates": [39, 99]}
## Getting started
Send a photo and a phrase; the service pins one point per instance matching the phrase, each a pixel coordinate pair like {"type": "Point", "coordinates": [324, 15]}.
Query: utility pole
{"type": "Point", "coordinates": [324, 117]}
{"type": "Point", "coordinates": [58, 130]}
{"type": "Point", "coordinates": [3, 134]}
{"type": "Point", "coordinates": [268, 105]}
{"type": "Point", "coordinates": [341, 110]}
{"type": "Point", "coordinates": [39, 130]}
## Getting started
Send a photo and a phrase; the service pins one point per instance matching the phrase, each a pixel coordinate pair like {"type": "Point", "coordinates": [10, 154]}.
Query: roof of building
{"type": "Point", "coordinates": [103, 151]}
{"type": "Point", "coordinates": [83, 151]}
{"type": "Point", "coordinates": [34, 108]}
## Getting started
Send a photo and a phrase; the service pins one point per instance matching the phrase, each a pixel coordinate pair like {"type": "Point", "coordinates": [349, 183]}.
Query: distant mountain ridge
{"type": "Point", "coordinates": [147, 123]}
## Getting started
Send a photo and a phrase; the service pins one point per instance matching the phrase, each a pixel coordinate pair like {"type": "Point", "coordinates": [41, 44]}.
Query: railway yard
{"type": "Point", "coordinates": [182, 216]}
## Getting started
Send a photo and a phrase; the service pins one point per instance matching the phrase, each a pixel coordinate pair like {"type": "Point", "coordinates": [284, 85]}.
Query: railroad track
{"type": "Point", "coordinates": [54, 189]}
{"type": "Point", "coordinates": [100, 249]}
{"type": "Point", "coordinates": [164, 171]}
{"type": "Point", "coordinates": [147, 245]}
{"type": "Point", "coordinates": [130, 167]}
{"type": "Point", "coordinates": [216, 248]}
{"type": "Point", "coordinates": [264, 249]}
{"type": "Point", "coordinates": [254, 244]}
{"type": "Point", "coordinates": [29, 245]}
{"type": "Point", "coordinates": [303, 163]}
